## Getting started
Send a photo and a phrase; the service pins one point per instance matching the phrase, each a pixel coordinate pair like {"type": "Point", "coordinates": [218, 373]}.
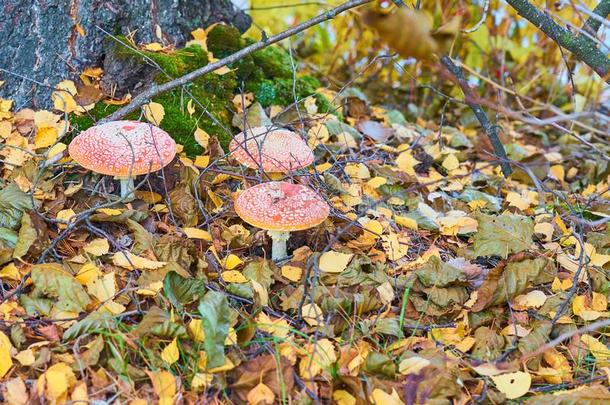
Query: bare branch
{"type": "Point", "coordinates": [583, 48]}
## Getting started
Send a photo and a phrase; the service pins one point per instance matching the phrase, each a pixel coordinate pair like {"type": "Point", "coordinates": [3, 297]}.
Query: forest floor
{"type": "Point", "coordinates": [435, 279]}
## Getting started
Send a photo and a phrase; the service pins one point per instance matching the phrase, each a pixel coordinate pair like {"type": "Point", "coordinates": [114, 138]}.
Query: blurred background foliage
{"type": "Point", "coordinates": [508, 59]}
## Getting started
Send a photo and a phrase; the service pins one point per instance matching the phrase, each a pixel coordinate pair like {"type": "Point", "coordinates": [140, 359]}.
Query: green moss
{"type": "Point", "coordinates": [267, 73]}
{"type": "Point", "coordinates": [274, 62]}
{"type": "Point", "coordinates": [224, 40]}
{"type": "Point", "coordinates": [264, 92]}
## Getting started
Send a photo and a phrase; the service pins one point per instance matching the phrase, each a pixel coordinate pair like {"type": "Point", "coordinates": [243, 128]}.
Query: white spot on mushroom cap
{"type": "Point", "coordinates": [281, 206]}
{"type": "Point", "coordinates": [119, 148]}
{"type": "Point", "coordinates": [276, 150]}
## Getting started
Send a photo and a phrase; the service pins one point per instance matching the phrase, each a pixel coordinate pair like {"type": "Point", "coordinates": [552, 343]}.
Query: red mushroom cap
{"type": "Point", "coordinates": [281, 150]}
{"type": "Point", "coordinates": [281, 206]}
{"type": "Point", "coordinates": [121, 148]}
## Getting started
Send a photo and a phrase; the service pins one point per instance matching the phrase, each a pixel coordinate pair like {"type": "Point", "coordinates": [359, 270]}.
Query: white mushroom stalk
{"type": "Point", "coordinates": [127, 187]}
{"type": "Point", "coordinates": [278, 247]}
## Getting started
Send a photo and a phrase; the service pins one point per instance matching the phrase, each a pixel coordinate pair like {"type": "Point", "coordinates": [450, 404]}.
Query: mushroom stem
{"type": "Point", "coordinates": [127, 187]}
{"type": "Point", "coordinates": [278, 248]}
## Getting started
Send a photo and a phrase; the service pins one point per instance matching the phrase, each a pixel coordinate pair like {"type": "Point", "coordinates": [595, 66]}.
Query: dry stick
{"type": "Point", "coordinates": [583, 48]}
{"type": "Point", "coordinates": [470, 97]}
{"type": "Point", "coordinates": [155, 89]}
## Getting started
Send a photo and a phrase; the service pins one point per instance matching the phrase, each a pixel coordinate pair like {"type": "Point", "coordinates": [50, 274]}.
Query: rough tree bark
{"type": "Point", "coordinates": [50, 40]}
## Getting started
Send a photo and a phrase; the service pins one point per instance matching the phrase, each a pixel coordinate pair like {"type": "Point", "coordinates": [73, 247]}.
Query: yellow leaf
{"type": "Point", "coordinates": [97, 247]}
{"type": "Point", "coordinates": [518, 201]}
{"type": "Point", "coordinates": [533, 299]}
{"type": "Point", "coordinates": [451, 162]}
{"type": "Point", "coordinates": [546, 229]}
{"type": "Point", "coordinates": [357, 171]}
{"type": "Point", "coordinates": [16, 392]}
{"type": "Point", "coordinates": [170, 353]}
{"type": "Point", "coordinates": [64, 101]}
{"type": "Point", "coordinates": [380, 397]}
{"type": "Point", "coordinates": [599, 302]}
{"type": "Point", "coordinates": [103, 288]}
{"type": "Point", "coordinates": [406, 222]}
{"type": "Point", "coordinates": [376, 182]}
{"type": "Point", "coordinates": [88, 273]}
{"type": "Point", "coordinates": [386, 292]}
{"type": "Point", "coordinates": [79, 394]}
{"type": "Point", "coordinates": [557, 172]}
{"type": "Point", "coordinates": [599, 350]}
{"type": "Point", "coordinates": [202, 161]}
{"type": "Point", "coordinates": [164, 384]}
{"type": "Point", "coordinates": [154, 112]}
{"type": "Point", "coordinates": [515, 330]}
{"type": "Point", "coordinates": [405, 162]}
{"type": "Point", "coordinates": [5, 354]}
{"type": "Point", "coordinates": [342, 397]}
{"type": "Point", "coordinates": [312, 314]}
{"type": "Point", "coordinates": [477, 204]}
{"type": "Point", "coordinates": [560, 363]}
{"type": "Point", "coordinates": [5, 129]}
{"type": "Point", "coordinates": [195, 327]}
{"type": "Point", "coordinates": [153, 47]}
{"type": "Point", "coordinates": [196, 233]}
{"type": "Point", "coordinates": [216, 200]}
{"type": "Point", "coordinates": [45, 137]}
{"type": "Point", "coordinates": [65, 216]}
{"type": "Point", "coordinates": [223, 70]}
{"type": "Point", "coordinates": [292, 273]}
{"type": "Point", "coordinates": [318, 134]}
{"type": "Point", "coordinates": [334, 262]}
{"type": "Point", "coordinates": [413, 365]}
{"type": "Point", "coordinates": [318, 356]}
{"type": "Point", "coordinates": [231, 262]}
{"type": "Point", "coordinates": [111, 212]}
{"type": "Point", "coordinates": [225, 367]}
{"type": "Point", "coordinates": [201, 380]}
{"type": "Point", "coordinates": [57, 380]}
{"type": "Point", "coordinates": [233, 276]}
{"type": "Point", "coordinates": [202, 138]}
{"type": "Point", "coordinates": [396, 248]}
{"type": "Point", "coordinates": [26, 357]}
{"type": "Point", "coordinates": [130, 261]}
{"type": "Point", "coordinates": [10, 272]}
{"type": "Point", "coordinates": [322, 167]}
{"type": "Point", "coordinates": [513, 385]}
{"type": "Point", "coordinates": [261, 395]}
{"type": "Point", "coordinates": [276, 327]}
{"type": "Point", "coordinates": [580, 309]}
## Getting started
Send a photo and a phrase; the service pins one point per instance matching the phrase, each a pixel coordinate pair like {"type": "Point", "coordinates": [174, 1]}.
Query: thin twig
{"type": "Point", "coordinates": [470, 97]}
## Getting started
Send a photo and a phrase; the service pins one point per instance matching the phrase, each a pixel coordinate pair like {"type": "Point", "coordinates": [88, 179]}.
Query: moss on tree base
{"type": "Point", "coordinates": [267, 73]}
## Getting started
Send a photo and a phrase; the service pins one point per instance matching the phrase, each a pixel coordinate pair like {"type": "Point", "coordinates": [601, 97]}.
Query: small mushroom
{"type": "Point", "coordinates": [280, 208]}
{"type": "Point", "coordinates": [273, 150]}
{"type": "Point", "coordinates": [123, 149]}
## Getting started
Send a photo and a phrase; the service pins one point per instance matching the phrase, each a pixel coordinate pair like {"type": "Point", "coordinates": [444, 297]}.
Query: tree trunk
{"type": "Point", "coordinates": [51, 40]}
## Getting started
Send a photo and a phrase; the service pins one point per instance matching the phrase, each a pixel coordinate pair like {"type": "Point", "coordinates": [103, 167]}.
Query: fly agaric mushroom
{"type": "Point", "coordinates": [123, 149]}
{"type": "Point", "coordinates": [280, 208]}
{"type": "Point", "coordinates": [273, 150]}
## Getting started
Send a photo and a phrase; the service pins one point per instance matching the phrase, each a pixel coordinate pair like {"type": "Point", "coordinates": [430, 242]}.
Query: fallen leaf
{"type": "Point", "coordinates": [513, 385]}
{"type": "Point", "coordinates": [334, 262]}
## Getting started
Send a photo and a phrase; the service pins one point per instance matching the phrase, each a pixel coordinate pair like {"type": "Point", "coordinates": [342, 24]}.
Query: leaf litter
{"type": "Point", "coordinates": [434, 279]}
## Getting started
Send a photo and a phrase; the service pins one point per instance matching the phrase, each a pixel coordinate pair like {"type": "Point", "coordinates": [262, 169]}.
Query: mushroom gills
{"type": "Point", "coordinates": [278, 248]}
